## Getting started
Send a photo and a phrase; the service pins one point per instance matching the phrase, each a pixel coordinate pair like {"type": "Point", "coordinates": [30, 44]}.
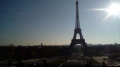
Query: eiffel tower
{"type": "Point", "coordinates": [78, 31]}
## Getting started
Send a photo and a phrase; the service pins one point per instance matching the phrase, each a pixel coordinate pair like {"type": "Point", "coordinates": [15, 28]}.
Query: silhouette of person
{"type": "Point", "coordinates": [45, 64]}
{"type": "Point", "coordinates": [103, 64]}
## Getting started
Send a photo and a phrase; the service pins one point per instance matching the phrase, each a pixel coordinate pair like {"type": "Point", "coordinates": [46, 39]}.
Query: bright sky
{"type": "Point", "coordinates": [52, 22]}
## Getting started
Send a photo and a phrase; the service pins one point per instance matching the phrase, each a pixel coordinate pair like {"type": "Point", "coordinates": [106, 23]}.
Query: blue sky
{"type": "Point", "coordinates": [52, 22]}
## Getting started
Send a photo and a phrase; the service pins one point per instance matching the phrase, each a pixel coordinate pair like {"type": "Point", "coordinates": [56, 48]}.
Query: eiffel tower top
{"type": "Point", "coordinates": [77, 24]}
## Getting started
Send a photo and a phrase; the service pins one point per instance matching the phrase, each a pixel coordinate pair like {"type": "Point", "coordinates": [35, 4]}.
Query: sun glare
{"type": "Point", "coordinates": [114, 9]}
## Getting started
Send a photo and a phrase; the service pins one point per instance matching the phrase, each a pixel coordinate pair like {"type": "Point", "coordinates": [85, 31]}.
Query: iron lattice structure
{"type": "Point", "coordinates": [78, 31]}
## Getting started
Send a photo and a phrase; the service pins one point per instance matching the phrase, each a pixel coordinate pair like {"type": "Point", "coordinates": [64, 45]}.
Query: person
{"type": "Point", "coordinates": [103, 64]}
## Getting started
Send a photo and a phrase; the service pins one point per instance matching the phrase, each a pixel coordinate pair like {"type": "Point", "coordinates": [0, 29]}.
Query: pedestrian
{"type": "Point", "coordinates": [103, 64]}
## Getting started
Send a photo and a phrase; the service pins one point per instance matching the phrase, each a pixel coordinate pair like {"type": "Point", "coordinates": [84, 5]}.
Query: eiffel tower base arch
{"type": "Point", "coordinates": [79, 41]}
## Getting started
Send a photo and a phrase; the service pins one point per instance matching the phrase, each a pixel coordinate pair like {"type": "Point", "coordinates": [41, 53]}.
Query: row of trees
{"type": "Point", "coordinates": [27, 52]}
{"type": "Point", "coordinates": [98, 50]}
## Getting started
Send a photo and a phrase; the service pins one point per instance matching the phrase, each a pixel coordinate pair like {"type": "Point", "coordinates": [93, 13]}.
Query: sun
{"type": "Point", "coordinates": [114, 9]}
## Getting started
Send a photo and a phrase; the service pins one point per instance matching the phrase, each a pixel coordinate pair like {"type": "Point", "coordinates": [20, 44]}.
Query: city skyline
{"type": "Point", "coordinates": [52, 22]}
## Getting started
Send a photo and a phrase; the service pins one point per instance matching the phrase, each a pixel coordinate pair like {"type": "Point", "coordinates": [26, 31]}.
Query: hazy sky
{"type": "Point", "coordinates": [52, 22]}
